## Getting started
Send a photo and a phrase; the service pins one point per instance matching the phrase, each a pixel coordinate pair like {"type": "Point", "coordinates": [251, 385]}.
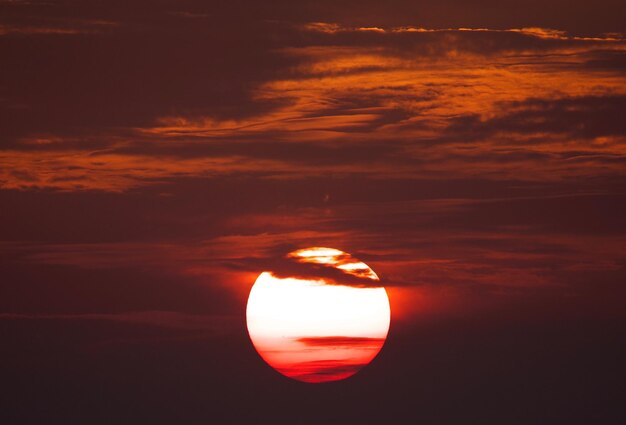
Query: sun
{"type": "Point", "coordinates": [320, 316]}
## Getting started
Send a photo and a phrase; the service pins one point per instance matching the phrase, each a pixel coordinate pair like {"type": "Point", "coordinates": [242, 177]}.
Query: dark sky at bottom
{"type": "Point", "coordinates": [483, 370]}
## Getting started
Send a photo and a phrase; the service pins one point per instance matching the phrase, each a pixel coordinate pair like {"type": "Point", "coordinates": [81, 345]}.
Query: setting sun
{"type": "Point", "coordinates": [315, 330]}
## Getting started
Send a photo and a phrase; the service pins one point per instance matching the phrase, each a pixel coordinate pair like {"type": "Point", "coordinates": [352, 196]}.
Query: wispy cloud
{"type": "Point", "coordinates": [399, 103]}
{"type": "Point", "coordinates": [162, 319]}
{"type": "Point", "coordinates": [545, 33]}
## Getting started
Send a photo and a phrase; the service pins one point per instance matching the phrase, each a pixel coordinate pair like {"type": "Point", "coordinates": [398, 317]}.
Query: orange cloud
{"type": "Point", "coordinates": [546, 33]}
{"type": "Point", "coordinates": [468, 103]}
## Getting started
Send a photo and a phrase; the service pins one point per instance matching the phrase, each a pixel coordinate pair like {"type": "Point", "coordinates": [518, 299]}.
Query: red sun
{"type": "Point", "coordinates": [315, 328]}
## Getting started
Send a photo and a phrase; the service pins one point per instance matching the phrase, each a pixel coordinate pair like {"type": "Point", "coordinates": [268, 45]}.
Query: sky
{"type": "Point", "coordinates": [157, 156]}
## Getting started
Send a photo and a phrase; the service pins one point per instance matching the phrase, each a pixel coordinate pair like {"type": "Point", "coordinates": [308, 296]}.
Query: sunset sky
{"type": "Point", "coordinates": [157, 156]}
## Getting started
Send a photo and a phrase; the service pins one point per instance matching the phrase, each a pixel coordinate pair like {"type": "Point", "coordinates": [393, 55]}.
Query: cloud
{"type": "Point", "coordinates": [587, 117]}
{"type": "Point", "coordinates": [543, 33]}
{"type": "Point", "coordinates": [162, 319]}
{"type": "Point", "coordinates": [342, 341]}
{"type": "Point", "coordinates": [337, 268]}
{"type": "Point", "coordinates": [313, 371]}
{"type": "Point", "coordinates": [311, 100]}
